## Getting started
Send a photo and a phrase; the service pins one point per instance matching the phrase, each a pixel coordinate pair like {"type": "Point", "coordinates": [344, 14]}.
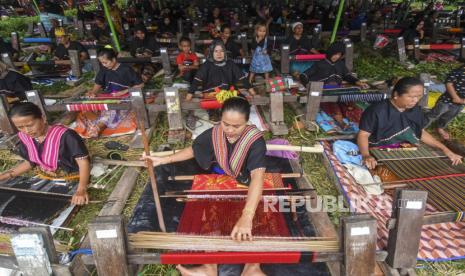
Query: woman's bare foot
{"type": "Point", "coordinates": [444, 134]}
{"type": "Point", "coordinates": [203, 270]}
{"type": "Point", "coordinates": [252, 270]}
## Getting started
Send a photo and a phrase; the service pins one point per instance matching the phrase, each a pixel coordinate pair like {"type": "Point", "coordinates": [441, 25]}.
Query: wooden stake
{"type": "Point", "coordinates": [153, 180]}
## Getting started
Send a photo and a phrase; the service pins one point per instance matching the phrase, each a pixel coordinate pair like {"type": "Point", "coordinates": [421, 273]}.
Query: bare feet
{"type": "Point", "coordinates": [203, 270]}
{"type": "Point", "coordinates": [444, 134]}
{"type": "Point", "coordinates": [252, 270]}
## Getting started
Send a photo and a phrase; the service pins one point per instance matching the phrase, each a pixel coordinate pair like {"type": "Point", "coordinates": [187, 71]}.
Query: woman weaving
{"type": "Point", "coordinates": [239, 150]}
{"type": "Point", "coordinates": [56, 151]}
{"type": "Point", "coordinates": [397, 120]}
{"type": "Point", "coordinates": [218, 72]}
{"type": "Point", "coordinates": [114, 79]}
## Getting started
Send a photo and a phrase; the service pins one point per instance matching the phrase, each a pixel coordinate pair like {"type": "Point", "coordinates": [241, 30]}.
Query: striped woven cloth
{"type": "Point", "coordinates": [87, 107]}
{"type": "Point", "coordinates": [421, 152]}
{"type": "Point", "coordinates": [445, 194]}
{"type": "Point", "coordinates": [421, 168]}
{"type": "Point", "coordinates": [362, 97]}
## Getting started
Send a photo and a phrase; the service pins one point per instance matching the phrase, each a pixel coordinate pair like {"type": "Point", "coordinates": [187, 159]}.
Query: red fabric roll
{"type": "Point", "coordinates": [210, 104]}
{"type": "Point", "coordinates": [310, 57]}
{"type": "Point", "coordinates": [441, 46]}
{"type": "Point", "coordinates": [392, 31]}
{"type": "Point", "coordinates": [234, 257]}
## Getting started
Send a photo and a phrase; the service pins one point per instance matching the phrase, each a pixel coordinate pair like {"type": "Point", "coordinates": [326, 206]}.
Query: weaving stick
{"type": "Point", "coordinates": [153, 180]}
{"type": "Point", "coordinates": [315, 149]}
{"type": "Point", "coordinates": [191, 177]}
{"type": "Point", "coordinates": [55, 196]}
{"type": "Point", "coordinates": [8, 220]}
{"type": "Point", "coordinates": [285, 189]}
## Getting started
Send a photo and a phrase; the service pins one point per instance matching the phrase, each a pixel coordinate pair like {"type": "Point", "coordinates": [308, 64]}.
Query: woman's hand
{"type": "Point", "coordinates": [80, 197]}
{"type": "Point", "coordinates": [370, 162]}
{"type": "Point", "coordinates": [455, 158]}
{"type": "Point", "coordinates": [252, 92]}
{"type": "Point", "coordinates": [156, 161]}
{"type": "Point", "coordinates": [4, 176]}
{"type": "Point", "coordinates": [91, 94]}
{"type": "Point", "coordinates": [242, 231]}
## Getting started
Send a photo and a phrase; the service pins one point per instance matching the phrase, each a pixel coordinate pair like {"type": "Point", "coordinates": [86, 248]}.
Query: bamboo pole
{"type": "Point", "coordinates": [336, 23]}
{"type": "Point", "coordinates": [110, 24]}
{"type": "Point", "coordinates": [153, 180]}
{"type": "Point", "coordinates": [172, 241]}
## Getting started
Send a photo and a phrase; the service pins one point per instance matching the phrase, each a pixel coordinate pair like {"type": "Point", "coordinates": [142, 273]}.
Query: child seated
{"type": "Point", "coordinates": [187, 61]}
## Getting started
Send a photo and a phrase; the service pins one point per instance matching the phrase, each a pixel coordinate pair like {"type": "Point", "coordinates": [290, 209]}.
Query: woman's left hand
{"type": "Point", "coordinates": [455, 158]}
{"type": "Point", "coordinates": [80, 197]}
{"type": "Point", "coordinates": [242, 231]}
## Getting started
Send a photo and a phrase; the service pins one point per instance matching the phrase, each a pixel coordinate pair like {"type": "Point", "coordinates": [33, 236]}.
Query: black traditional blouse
{"type": "Point", "coordinates": [119, 79]}
{"type": "Point", "coordinates": [205, 156]}
{"type": "Point", "coordinates": [211, 75]}
{"type": "Point", "coordinates": [71, 146]}
{"type": "Point", "coordinates": [387, 125]}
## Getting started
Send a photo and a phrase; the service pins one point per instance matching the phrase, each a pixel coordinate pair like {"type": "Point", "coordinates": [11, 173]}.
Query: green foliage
{"type": "Point", "coordinates": [16, 24]}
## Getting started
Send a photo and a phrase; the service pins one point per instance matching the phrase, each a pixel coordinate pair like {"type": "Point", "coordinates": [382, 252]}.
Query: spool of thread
{"type": "Point", "coordinates": [210, 104]}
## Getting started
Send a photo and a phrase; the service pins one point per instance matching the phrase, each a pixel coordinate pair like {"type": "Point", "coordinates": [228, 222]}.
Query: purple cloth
{"type": "Point", "coordinates": [292, 155]}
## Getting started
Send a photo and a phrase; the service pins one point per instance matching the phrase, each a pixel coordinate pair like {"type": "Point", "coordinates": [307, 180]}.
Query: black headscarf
{"type": "Point", "coordinates": [336, 47]}
{"type": "Point", "coordinates": [211, 49]}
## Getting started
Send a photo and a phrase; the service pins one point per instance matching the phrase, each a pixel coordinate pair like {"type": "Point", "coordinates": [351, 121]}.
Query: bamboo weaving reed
{"type": "Point", "coordinates": [171, 241]}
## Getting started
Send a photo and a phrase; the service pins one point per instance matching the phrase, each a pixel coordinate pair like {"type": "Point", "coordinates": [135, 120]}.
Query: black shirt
{"type": "Point", "coordinates": [300, 46]}
{"type": "Point", "coordinates": [211, 75]}
{"type": "Point", "coordinates": [261, 43]}
{"type": "Point", "coordinates": [116, 80]}
{"type": "Point", "coordinates": [15, 84]}
{"type": "Point", "coordinates": [328, 72]}
{"type": "Point", "coordinates": [6, 48]}
{"type": "Point", "coordinates": [232, 49]}
{"type": "Point", "coordinates": [457, 78]}
{"type": "Point", "coordinates": [71, 146]}
{"type": "Point", "coordinates": [61, 51]}
{"type": "Point", "coordinates": [102, 35]}
{"type": "Point", "coordinates": [384, 121]}
{"type": "Point", "coordinates": [149, 44]}
{"type": "Point", "coordinates": [205, 156]}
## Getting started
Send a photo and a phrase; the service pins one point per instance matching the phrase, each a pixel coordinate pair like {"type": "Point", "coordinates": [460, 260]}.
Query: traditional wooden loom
{"type": "Point", "coordinates": [428, 200]}
{"type": "Point", "coordinates": [357, 231]}
{"type": "Point", "coordinates": [135, 103]}
{"type": "Point", "coordinates": [316, 95]}
{"type": "Point", "coordinates": [416, 47]}
{"type": "Point", "coordinates": [286, 58]}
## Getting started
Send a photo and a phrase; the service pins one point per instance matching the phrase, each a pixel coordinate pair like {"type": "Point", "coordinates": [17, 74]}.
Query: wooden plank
{"type": "Point", "coordinates": [404, 238]}
{"type": "Point", "coordinates": [8, 262]}
{"type": "Point", "coordinates": [278, 126]}
{"type": "Point", "coordinates": [314, 92]}
{"type": "Point", "coordinates": [107, 240]}
{"type": "Point", "coordinates": [136, 141]}
{"type": "Point", "coordinates": [15, 41]}
{"type": "Point", "coordinates": [321, 221]}
{"type": "Point", "coordinates": [5, 123]}
{"type": "Point", "coordinates": [138, 106]}
{"type": "Point", "coordinates": [401, 49]}
{"type": "Point", "coordinates": [74, 56]}
{"type": "Point", "coordinates": [33, 96]}
{"type": "Point", "coordinates": [462, 48]}
{"type": "Point", "coordinates": [358, 244]}
{"type": "Point", "coordinates": [42, 31]}
{"type": "Point", "coordinates": [166, 63]}
{"type": "Point", "coordinates": [173, 108]}
{"type": "Point", "coordinates": [349, 56]}
{"type": "Point", "coordinates": [426, 79]}
{"type": "Point", "coordinates": [363, 32]}
{"type": "Point", "coordinates": [31, 254]}
{"type": "Point", "coordinates": [416, 49]}
{"type": "Point", "coordinates": [285, 62]}
{"type": "Point", "coordinates": [114, 205]}
{"type": "Point", "coordinates": [94, 61]}
{"type": "Point", "coordinates": [7, 59]}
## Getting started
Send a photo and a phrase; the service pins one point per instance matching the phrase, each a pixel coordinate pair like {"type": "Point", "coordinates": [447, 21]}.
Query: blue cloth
{"type": "Point", "coordinates": [328, 124]}
{"type": "Point", "coordinates": [46, 17]}
{"type": "Point", "coordinates": [261, 62]}
{"type": "Point", "coordinates": [216, 169]}
{"type": "Point", "coordinates": [347, 152]}
{"type": "Point", "coordinates": [301, 66]}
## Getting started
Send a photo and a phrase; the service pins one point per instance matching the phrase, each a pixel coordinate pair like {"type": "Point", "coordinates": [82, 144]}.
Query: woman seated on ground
{"type": "Point", "coordinates": [114, 79]}
{"type": "Point", "coordinates": [332, 71]}
{"type": "Point", "coordinates": [397, 120]}
{"type": "Point", "coordinates": [13, 83]}
{"type": "Point", "coordinates": [216, 147]}
{"type": "Point", "coordinates": [144, 45]}
{"type": "Point", "coordinates": [55, 150]}
{"type": "Point", "coordinates": [218, 72]}
{"type": "Point", "coordinates": [300, 45]}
